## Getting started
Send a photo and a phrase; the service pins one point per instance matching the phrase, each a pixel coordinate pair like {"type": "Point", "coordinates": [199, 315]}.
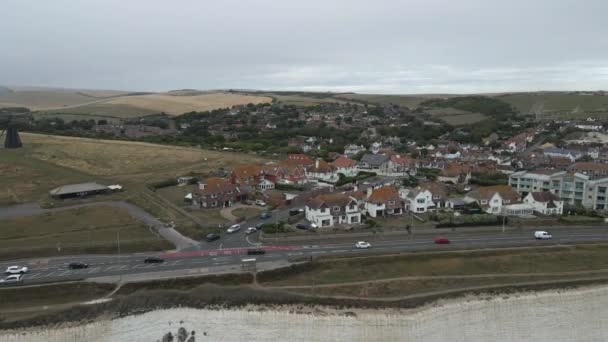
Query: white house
{"type": "Point", "coordinates": [492, 198]}
{"type": "Point", "coordinates": [375, 148]}
{"type": "Point", "coordinates": [545, 203]}
{"type": "Point", "coordinates": [417, 201]}
{"type": "Point", "coordinates": [328, 210]}
{"type": "Point", "coordinates": [345, 166]}
{"type": "Point", "coordinates": [353, 150]}
{"type": "Point", "coordinates": [265, 184]}
{"type": "Point", "coordinates": [322, 171]}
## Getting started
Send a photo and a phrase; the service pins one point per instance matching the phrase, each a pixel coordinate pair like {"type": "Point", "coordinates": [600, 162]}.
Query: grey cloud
{"type": "Point", "coordinates": [411, 46]}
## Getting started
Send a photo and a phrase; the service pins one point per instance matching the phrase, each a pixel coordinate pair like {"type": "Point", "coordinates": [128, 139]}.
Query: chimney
{"type": "Point", "coordinates": [317, 164]}
{"type": "Point", "coordinates": [369, 191]}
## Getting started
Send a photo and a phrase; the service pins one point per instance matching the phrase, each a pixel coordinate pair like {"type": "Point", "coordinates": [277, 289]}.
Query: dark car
{"type": "Point", "coordinates": [259, 226]}
{"type": "Point", "coordinates": [265, 215]}
{"type": "Point", "coordinates": [212, 237]}
{"type": "Point", "coordinates": [440, 240]}
{"type": "Point", "coordinates": [153, 260]}
{"type": "Point", "coordinates": [77, 265]}
{"type": "Point", "coordinates": [303, 226]}
{"type": "Point", "coordinates": [255, 251]}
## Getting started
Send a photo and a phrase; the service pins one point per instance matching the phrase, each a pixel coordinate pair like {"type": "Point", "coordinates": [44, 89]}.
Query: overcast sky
{"type": "Point", "coordinates": [375, 46]}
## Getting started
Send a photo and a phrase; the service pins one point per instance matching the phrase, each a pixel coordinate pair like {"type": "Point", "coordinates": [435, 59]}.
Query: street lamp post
{"type": "Point", "coordinates": [118, 242]}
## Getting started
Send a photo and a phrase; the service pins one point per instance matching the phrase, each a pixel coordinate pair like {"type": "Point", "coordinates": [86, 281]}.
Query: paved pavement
{"type": "Point", "coordinates": [209, 261]}
{"type": "Point", "coordinates": [170, 234]}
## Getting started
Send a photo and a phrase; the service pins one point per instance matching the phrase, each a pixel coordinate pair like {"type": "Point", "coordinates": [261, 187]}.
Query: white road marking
{"type": "Point", "coordinates": [116, 268]}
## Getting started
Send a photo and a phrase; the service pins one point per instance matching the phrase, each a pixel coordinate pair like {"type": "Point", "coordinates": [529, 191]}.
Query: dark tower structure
{"type": "Point", "coordinates": [12, 139]}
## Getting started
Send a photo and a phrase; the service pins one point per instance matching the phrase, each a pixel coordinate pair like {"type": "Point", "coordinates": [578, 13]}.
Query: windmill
{"type": "Point", "coordinates": [10, 132]}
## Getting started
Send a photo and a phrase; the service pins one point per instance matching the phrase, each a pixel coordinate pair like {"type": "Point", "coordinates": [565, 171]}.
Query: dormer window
{"type": "Point", "coordinates": [484, 201]}
{"type": "Point", "coordinates": [391, 202]}
{"type": "Point", "coordinates": [336, 208]}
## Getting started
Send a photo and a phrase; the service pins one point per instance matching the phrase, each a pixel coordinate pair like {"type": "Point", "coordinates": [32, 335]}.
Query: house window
{"type": "Point", "coordinates": [484, 201]}
{"type": "Point", "coordinates": [323, 210]}
{"type": "Point", "coordinates": [351, 206]}
{"type": "Point", "coordinates": [336, 208]}
{"type": "Point", "coordinates": [230, 192]}
{"type": "Point", "coordinates": [421, 200]}
{"type": "Point", "coordinates": [391, 202]}
{"type": "Point", "coordinates": [354, 219]}
{"type": "Point", "coordinates": [213, 204]}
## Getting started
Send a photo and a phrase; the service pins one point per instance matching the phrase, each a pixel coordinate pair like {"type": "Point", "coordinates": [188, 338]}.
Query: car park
{"type": "Point", "coordinates": [77, 265]}
{"type": "Point", "coordinates": [12, 279]}
{"type": "Point", "coordinates": [153, 260]}
{"type": "Point", "coordinates": [363, 245]}
{"type": "Point", "coordinates": [251, 230]}
{"type": "Point", "coordinates": [260, 203]}
{"type": "Point", "coordinates": [542, 235]}
{"type": "Point", "coordinates": [233, 229]}
{"type": "Point", "coordinates": [212, 237]}
{"type": "Point", "coordinates": [265, 215]}
{"type": "Point", "coordinates": [16, 270]}
{"type": "Point", "coordinates": [440, 240]}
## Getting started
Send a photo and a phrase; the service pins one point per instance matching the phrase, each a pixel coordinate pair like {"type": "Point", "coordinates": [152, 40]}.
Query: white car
{"type": "Point", "coordinates": [363, 245]}
{"type": "Point", "coordinates": [234, 228]}
{"type": "Point", "coordinates": [16, 270]}
{"type": "Point", "coordinates": [251, 230]}
{"type": "Point", "coordinates": [260, 203]}
{"type": "Point", "coordinates": [13, 278]}
{"type": "Point", "coordinates": [542, 235]}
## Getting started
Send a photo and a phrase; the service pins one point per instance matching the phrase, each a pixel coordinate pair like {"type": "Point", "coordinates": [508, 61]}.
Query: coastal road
{"type": "Point", "coordinates": [208, 261]}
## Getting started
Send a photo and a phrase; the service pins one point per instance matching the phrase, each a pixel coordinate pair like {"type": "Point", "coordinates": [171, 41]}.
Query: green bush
{"type": "Point", "coordinates": [162, 184]}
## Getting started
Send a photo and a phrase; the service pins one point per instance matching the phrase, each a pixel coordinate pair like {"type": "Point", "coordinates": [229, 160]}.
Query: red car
{"type": "Point", "coordinates": [440, 240]}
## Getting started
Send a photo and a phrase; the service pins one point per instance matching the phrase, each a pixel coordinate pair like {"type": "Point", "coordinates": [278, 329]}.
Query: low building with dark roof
{"type": "Point", "coordinates": [78, 190]}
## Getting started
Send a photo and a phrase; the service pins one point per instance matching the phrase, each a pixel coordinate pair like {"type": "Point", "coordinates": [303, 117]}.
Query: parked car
{"type": "Point", "coordinates": [153, 260]}
{"type": "Point", "coordinates": [77, 265]}
{"type": "Point", "coordinates": [363, 245]}
{"type": "Point", "coordinates": [233, 229]}
{"type": "Point", "coordinates": [13, 278]}
{"type": "Point", "coordinates": [212, 237]}
{"type": "Point", "coordinates": [259, 226]}
{"type": "Point", "coordinates": [260, 203]}
{"type": "Point", "coordinates": [256, 251]}
{"type": "Point", "coordinates": [251, 230]}
{"type": "Point", "coordinates": [16, 270]}
{"type": "Point", "coordinates": [265, 215]}
{"type": "Point", "coordinates": [542, 235]}
{"type": "Point", "coordinates": [440, 240]}
{"type": "Point", "coordinates": [303, 226]}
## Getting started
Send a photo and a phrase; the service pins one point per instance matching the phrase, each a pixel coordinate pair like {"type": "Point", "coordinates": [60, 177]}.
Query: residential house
{"type": "Point", "coordinates": [373, 162]}
{"type": "Point", "coordinates": [218, 192]}
{"type": "Point", "coordinates": [322, 171]}
{"type": "Point", "coordinates": [593, 170]}
{"type": "Point", "coordinates": [519, 142]}
{"type": "Point", "coordinates": [352, 150]}
{"type": "Point", "coordinates": [545, 203]}
{"type": "Point", "coordinates": [384, 201]}
{"type": "Point", "coordinates": [562, 153]}
{"type": "Point", "coordinates": [375, 148]}
{"type": "Point", "coordinates": [492, 198]}
{"type": "Point", "coordinates": [327, 210]}
{"type": "Point", "coordinates": [345, 166]}
{"type": "Point", "coordinates": [299, 159]}
{"type": "Point", "coordinates": [401, 163]}
{"type": "Point", "coordinates": [417, 201]}
{"type": "Point", "coordinates": [439, 193]}
{"type": "Point", "coordinates": [455, 174]}
{"type": "Point", "coordinates": [249, 174]}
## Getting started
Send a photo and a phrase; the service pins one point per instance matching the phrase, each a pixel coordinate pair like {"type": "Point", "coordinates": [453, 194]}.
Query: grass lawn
{"type": "Point", "coordinates": [175, 194]}
{"type": "Point", "coordinates": [15, 297]}
{"type": "Point", "coordinates": [247, 213]}
{"type": "Point", "coordinates": [76, 231]}
{"type": "Point", "coordinates": [525, 260]}
{"type": "Point", "coordinates": [580, 219]}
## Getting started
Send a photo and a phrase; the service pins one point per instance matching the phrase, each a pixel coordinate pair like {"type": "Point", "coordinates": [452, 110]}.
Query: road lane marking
{"type": "Point", "coordinates": [116, 268]}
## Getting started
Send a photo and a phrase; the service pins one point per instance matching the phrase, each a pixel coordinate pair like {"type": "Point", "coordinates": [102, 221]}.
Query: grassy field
{"type": "Point", "coordinates": [525, 260]}
{"type": "Point", "coordinates": [409, 101]}
{"type": "Point", "coordinates": [305, 101]}
{"type": "Point", "coordinates": [76, 231]}
{"type": "Point", "coordinates": [570, 105]}
{"type": "Point", "coordinates": [44, 99]}
{"type": "Point", "coordinates": [456, 117]}
{"type": "Point", "coordinates": [98, 109]}
{"type": "Point", "coordinates": [127, 161]}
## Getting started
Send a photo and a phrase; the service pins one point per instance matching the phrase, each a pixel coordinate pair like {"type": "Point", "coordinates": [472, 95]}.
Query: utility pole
{"type": "Point", "coordinates": [118, 241]}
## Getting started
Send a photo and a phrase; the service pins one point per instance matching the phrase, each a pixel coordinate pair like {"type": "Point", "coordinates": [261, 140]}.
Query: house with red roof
{"type": "Point", "coordinates": [384, 201]}
{"type": "Point", "coordinates": [345, 166]}
{"type": "Point", "coordinates": [218, 192]}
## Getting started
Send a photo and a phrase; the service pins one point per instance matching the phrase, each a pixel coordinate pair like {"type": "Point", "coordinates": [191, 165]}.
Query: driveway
{"type": "Point", "coordinates": [168, 233]}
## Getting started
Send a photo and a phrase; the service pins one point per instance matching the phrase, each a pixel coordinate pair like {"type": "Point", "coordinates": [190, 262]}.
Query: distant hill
{"type": "Point", "coordinates": [564, 105]}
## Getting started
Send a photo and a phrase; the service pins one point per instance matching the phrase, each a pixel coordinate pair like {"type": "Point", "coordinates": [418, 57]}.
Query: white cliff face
{"type": "Point", "coordinates": [577, 315]}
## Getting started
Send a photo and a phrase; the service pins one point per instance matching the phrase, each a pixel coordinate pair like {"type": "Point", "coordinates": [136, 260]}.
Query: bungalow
{"type": "Point", "coordinates": [545, 203]}
{"type": "Point", "coordinates": [383, 202]}
{"type": "Point", "coordinates": [345, 166]}
{"type": "Point", "coordinates": [328, 210]}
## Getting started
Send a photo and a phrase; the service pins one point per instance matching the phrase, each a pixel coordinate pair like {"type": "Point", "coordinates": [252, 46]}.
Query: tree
{"type": "Point", "coordinates": [102, 122]}
{"type": "Point", "coordinates": [585, 158]}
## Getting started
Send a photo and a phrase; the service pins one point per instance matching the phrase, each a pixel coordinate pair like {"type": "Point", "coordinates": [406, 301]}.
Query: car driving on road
{"type": "Point", "coordinates": [13, 278]}
{"type": "Point", "coordinates": [16, 270]}
{"type": "Point", "coordinates": [363, 245]}
{"type": "Point", "coordinates": [251, 230]}
{"type": "Point", "coordinates": [153, 260]}
{"type": "Point", "coordinates": [440, 240]}
{"type": "Point", "coordinates": [233, 229]}
{"type": "Point", "coordinates": [542, 235]}
{"type": "Point", "coordinates": [77, 265]}
{"type": "Point", "coordinates": [212, 237]}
